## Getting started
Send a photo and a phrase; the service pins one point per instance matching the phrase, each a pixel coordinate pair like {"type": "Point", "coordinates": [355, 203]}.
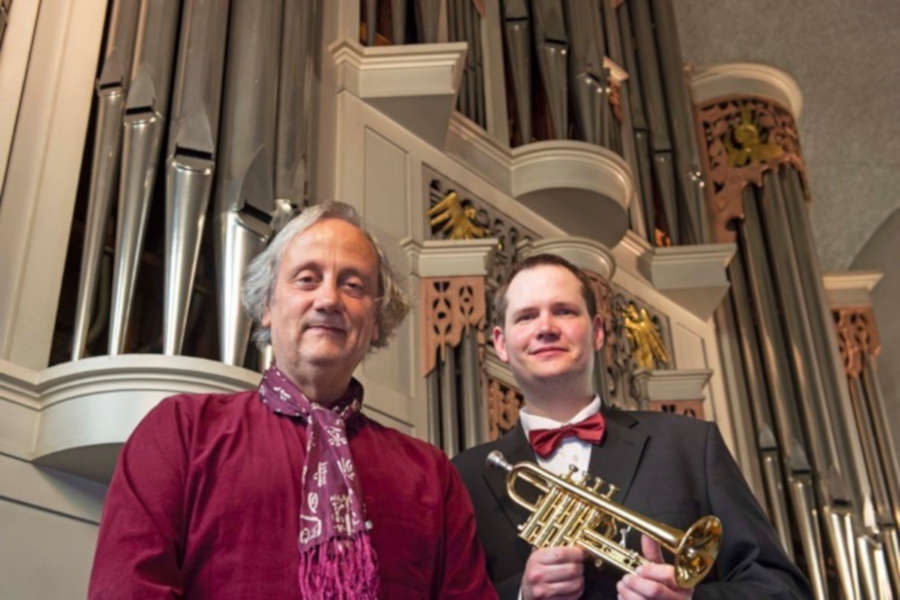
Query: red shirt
{"type": "Point", "coordinates": [204, 503]}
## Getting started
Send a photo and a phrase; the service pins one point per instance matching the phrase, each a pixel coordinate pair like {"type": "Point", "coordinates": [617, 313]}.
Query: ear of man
{"type": "Point", "coordinates": [499, 343]}
{"type": "Point", "coordinates": [599, 334]}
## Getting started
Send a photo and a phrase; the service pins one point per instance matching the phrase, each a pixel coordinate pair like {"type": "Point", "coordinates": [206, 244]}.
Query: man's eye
{"type": "Point", "coordinates": [521, 318]}
{"type": "Point", "coordinates": [354, 287]}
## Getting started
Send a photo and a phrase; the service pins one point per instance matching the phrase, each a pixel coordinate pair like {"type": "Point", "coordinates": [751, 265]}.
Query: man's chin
{"type": "Point", "coordinates": [551, 366]}
{"type": "Point", "coordinates": [323, 353]}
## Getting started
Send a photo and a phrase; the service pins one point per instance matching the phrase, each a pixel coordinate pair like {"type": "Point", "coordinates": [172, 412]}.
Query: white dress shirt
{"type": "Point", "coordinates": [571, 450]}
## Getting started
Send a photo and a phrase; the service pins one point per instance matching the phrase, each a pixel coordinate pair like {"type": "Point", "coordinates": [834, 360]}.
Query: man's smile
{"type": "Point", "coordinates": [547, 350]}
{"type": "Point", "coordinates": [327, 329]}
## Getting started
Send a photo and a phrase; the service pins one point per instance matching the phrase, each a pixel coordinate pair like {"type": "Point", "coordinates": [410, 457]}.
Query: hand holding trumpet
{"type": "Point", "coordinates": [554, 573]}
{"type": "Point", "coordinates": [575, 516]}
{"type": "Point", "coordinates": [558, 573]}
{"type": "Point", "coordinates": [655, 580]}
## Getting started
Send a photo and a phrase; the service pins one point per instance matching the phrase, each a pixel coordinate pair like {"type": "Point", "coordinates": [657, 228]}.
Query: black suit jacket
{"type": "Point", "coordinates": [671, 468]}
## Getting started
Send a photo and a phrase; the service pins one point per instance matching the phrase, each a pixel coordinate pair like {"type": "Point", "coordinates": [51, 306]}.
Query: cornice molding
{"type": "Point", "coordinates": [669, 385]}
{"type": "Point", "coordinates": [850, 288]}
{"type": "Point", "coordinates": [582, 188]}
{"type": "Point", "coordinates": [86, 409]}
{"type": "Point", "coordinates": [414, 84]}
{"type": "Point", "coordinates": [584, 253]}
{"type": "Point", "coordinates": [709, 82]}
{"type": "Point", "coordinates": [449, 258]}
{"type": "Point", "coordinates": [694, 276]}
{"type": "Point", "coordinates": [404, 70]}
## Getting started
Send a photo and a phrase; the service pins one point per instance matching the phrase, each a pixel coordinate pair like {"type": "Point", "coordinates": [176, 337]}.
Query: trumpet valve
{"type": "Point", "coordinates": [610, 491]}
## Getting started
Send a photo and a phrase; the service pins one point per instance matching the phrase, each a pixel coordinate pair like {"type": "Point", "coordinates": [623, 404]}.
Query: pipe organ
{"type": "Point", "coordinates": [238, 125]}
{"type": "Point", "coordinates": [469, 134]}
{"type": "Point", "coordinates": [811, 450]}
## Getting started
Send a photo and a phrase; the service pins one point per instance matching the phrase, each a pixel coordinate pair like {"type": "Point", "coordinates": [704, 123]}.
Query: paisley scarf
{"type": "Point", "coordinates": [337, 559]}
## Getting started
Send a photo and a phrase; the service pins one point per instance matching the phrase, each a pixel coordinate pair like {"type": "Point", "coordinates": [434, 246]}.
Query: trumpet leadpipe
{"type": "Point", "coordinates": [498, 461]}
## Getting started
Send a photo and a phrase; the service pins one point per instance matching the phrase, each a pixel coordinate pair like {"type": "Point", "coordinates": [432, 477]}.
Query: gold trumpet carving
{"type": "Point", "coordinates": [457, 217]}
{"type": "Point", "coordinates": [644, 337]}
{"type": "Point", "coordinates": [574, 513]}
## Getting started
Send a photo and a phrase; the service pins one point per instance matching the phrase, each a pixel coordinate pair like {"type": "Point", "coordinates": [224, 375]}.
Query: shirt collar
{"type": "Point", "coordinates": [530, 421]}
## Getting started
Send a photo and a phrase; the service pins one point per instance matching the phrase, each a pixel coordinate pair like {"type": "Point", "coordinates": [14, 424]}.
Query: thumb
{"type": "Point", "coordinates": [650, 549]}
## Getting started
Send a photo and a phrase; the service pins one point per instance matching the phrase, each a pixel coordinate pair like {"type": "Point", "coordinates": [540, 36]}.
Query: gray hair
{"type": "Point", "coordinates": [262, 273]}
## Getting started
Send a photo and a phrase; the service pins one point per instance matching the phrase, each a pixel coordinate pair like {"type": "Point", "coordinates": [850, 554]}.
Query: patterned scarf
{"type": "Point", "coordinates": [337, 559]}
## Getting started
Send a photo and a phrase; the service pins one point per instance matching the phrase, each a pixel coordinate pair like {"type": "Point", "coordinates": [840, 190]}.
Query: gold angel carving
{"type": "Point", "coordinates": [645, 339]}
{"type": "Point", "coordinates": [458, 219]}
{"type": "Point", "coordinates": [751, 149]}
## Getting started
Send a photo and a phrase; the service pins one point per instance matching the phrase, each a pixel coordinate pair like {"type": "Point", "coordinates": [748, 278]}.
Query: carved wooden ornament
{"type": "Point", "coordinates": [503, 404]}
{"type": "Point", "coordinates": [857, 337]}
{"type": "Point", "coordinates": [741, 138]}
{"type": "Point", "coordinates": [615, 99]}
{"type": "Point", "coordinates": [603, 294]}
{"type": "Point", "coordinates": [449, 306]}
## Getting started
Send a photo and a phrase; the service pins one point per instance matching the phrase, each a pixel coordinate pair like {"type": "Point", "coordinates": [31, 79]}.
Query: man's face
{"type": "Point", "coordinates": [322, 311]}
{"type": "Point", "coordinates": [547, 332]}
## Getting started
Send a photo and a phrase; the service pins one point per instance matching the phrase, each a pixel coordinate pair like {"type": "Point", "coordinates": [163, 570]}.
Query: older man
{"type": "Point", "coordinates": [671, 468]}
{"type": "Point", "coordinates": [289, 490]}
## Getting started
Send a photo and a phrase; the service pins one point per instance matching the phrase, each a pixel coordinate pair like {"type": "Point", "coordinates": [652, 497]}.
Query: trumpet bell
{"type": "Point", "coordinates": [697, 551]}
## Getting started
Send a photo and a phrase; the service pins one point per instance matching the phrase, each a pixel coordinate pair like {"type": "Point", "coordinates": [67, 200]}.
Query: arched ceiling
{"type": "Point", "coordinates": [846, 58]}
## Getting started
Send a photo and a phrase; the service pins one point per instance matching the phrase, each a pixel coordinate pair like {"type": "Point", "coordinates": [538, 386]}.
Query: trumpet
{"type": "Point", "coordinates": [576, 513]}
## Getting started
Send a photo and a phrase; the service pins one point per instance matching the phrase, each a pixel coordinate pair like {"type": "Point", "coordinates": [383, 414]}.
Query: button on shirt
{"type": "Point", "coordinates": [571, 450]}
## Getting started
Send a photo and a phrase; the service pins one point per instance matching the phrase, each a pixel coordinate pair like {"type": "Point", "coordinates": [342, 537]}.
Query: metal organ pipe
{"type": "Point", "coordinates": [146, 112]}
{"type": "Point", "coordinates": [112, 87]}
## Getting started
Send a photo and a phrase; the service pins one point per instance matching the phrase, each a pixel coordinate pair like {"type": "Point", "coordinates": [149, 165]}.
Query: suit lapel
{"type": "Point", "coordinates": [616, 458]}
{"type": "Point", "coordinates": [515, 447]}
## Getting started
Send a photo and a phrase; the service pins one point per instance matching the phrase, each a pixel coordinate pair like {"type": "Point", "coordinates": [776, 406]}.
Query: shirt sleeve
{"type": "Point", "coordinates": [751, 563]}
{"type": "Point", "coordinates": [140, 543]}
{"type": "Point", "coordinates": [465, 572]}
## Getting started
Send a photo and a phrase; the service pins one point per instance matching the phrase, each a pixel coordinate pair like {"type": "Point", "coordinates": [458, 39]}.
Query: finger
{"type": "Point", "coordinates": [648, 588]}
{"type": "Point", "coordinates": [557, 591]}
{"type": "Point", "coordinates": [623, 593]}
{"type": "Point", "coordinates": [560, 554]}
{"type": "Point", "coordinates": [663, 573]}
{"type": "Point", "coordinates": [537, 574]}
{"type": "Point", "coordinates": [554, 573]}
{"type": "Point", "coordinates": [651, 550]}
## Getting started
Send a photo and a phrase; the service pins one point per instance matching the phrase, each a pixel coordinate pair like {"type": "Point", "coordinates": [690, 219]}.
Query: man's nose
{"type": "Point", "coordinates": [547, 325]}
{"type": "Point", "coordinates": [328, 297]}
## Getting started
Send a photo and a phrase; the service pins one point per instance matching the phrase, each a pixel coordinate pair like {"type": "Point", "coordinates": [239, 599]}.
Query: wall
{"type": "Point", "coordinates": [880, 254]}
{"type": "Point", "coordinates": [48, 533]}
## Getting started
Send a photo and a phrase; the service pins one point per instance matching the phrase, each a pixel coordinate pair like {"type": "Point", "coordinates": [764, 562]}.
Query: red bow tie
{"type": "Point", "coordinates": [545, 441]}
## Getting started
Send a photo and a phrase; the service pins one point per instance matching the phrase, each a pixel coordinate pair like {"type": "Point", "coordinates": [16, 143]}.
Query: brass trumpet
{"type": "Point", "coordinates": [570, 513]}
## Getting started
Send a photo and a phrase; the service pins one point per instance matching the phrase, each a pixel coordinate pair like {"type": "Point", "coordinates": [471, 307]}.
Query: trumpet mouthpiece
{"type": "Point", "coordinates": [498, 461]}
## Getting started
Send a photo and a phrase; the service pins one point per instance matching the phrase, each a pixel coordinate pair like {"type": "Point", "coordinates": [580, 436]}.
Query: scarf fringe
{"type": "Point", "coordinates": [340, 569]}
